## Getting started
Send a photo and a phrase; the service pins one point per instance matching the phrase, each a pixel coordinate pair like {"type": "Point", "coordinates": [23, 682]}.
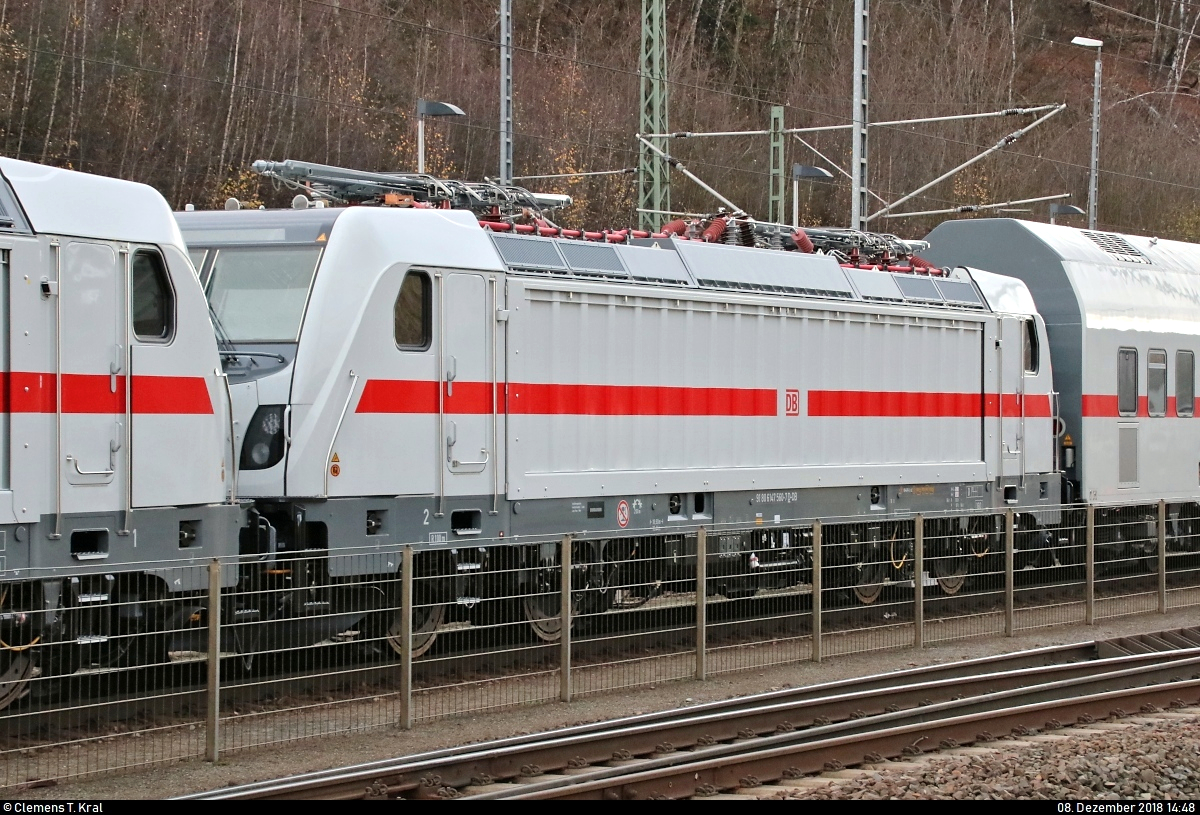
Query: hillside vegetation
{"type": "Point", "coordinates": [184, 95]}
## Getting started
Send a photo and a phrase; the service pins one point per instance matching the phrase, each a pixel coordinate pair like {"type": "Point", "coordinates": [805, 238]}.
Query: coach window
{"type": "Point", "coordinates": [1185, 383]}
{"type": "Point", "coordinates": [414, 312]}
{"type": "Point", "coordinates": [1156, 382]}
{"type": "Point", "coordinates": [152, 300]}
{"type": "Point", "coordinates": [1127, 384]}
{"type": "Point", "coordinates": [1031, 347]}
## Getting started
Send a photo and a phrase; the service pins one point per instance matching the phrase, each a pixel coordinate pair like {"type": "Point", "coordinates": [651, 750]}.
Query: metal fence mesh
{"type": "Point", "coordinates": [313, 643]}
{"type": "Point", "coordinates": [866, 586]}
{"type": "Point", "coordinates": [759, 598]}
{"type": "Point", "coordinates": [964, 582]}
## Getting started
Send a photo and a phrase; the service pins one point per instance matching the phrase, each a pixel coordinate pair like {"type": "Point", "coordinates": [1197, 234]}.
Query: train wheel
{"type": "Point", "coordinates": [425, 622]}
{"type": "Point", "coordinates": [542, 612]}
{"type": "Point", "coordinates": [868, 584]}
{"type": "Point", "coordinates": [542, 601]}
{"type": "Point", "coordinates": [951, 568]}
{"type": "Point", "coordinates": [951, 582]}
{"type": "Point", "coordinates": [16, 669]}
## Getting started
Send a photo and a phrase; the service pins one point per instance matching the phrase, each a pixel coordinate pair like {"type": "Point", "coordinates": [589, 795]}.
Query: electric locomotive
{"type": "Point", "coordinates": [108, 360]}
{"type": "Point", "coordinates": [400, 374]}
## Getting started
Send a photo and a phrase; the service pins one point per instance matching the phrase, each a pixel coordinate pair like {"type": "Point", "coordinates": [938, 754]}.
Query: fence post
{"type": "Point", "coordinates": [701, 604]}
{"type": "Point", "coordinates": [919, 582]}
{"type": "Point", "coordinates": [816, 591]}
{"type": "Point", "coordinates": [1162, 556]}
{"type": "Point", "coordinates": [1009, 580]}
{"type": "Point", "coordinates": [1089, 568]}
{"type": "Point", "coordinates": [213, 719]}
{"type": "Point", "coordinates": [564, 660]}
{"type": "Point", "coordinates": [406, 631]}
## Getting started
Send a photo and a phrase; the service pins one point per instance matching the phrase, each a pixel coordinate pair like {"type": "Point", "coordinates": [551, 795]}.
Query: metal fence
{"type": "Point", "coordinates": [317, 643]}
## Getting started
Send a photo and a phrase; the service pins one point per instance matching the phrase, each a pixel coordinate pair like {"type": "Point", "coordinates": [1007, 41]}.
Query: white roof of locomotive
{"type": "Point", "coordinates": [64, 202]}
{"type": "Point", "coordinates": [364, 241]}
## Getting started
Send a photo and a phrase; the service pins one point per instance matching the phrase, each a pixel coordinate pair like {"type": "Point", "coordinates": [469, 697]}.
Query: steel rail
{"type": "Point", "coordinates": [699, 774]}
{"type": "Point", "coordinates": [751, 716]}
{"type": "Point", "coordinates": [862, 727]}
{"type": "Point", "coordinates": [306, 783]}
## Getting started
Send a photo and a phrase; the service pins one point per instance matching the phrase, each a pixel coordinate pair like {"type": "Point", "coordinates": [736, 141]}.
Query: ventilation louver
{"type": "Point", "coordinates": [1116, 246]}
{"type": "Point", "coordinates": [529, 253]}
{"type": "Point", "coordinates": [591, 258]}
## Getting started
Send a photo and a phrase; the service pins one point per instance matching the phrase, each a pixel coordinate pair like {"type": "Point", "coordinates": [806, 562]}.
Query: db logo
{"type": "Point", "coordinates": [791, 402]}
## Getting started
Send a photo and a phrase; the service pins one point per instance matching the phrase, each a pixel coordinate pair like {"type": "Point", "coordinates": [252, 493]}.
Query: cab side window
{"type": "Point", "coordinates": [1031, 347]}
{"type": "Point", "coordinates": [1185, 383]}
{"type": "Point", "coordinates": [1127, 382]}
{"type": "Point", "coordinates": [153, 302]}
{"type": "Point", "coordinates": [414, 312]}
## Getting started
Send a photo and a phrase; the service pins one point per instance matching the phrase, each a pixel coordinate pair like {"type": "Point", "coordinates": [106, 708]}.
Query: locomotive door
{"type": "Point", "coordinates": [92, 387]}
{"type": "Point", "coordinates": [467, 388]}
{"type": "Point", "coordinates": [1012, 398]}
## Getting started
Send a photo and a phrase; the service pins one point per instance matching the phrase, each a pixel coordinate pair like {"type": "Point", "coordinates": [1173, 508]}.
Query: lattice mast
{"type": "Point", "coordinates": [859, 202]}
{"type": "Point", "coordinates": [506, 93]}
{"type": "Point", "coordinates": [654, 183]}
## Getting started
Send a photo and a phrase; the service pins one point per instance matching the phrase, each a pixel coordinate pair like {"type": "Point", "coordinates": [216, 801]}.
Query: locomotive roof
{"type": "Point", "coordinates": [1101, 279]}
{"type": "Point", "coordinates": [220, 227]}
{"type": "Point", "coordinates": [437, 238]}
{"type": "Point", "coordinates": [64, 202]}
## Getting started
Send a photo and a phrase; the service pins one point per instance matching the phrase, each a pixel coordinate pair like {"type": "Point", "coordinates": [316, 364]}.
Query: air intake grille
{"type": "Point", "coordinates": [1117, 246]}
{"type": "Point", "coordinates": [529, 253]}
{"type": "Point", "coordinates": [590, 257]}
{"type": "Point", "coordinates": [918, 288]}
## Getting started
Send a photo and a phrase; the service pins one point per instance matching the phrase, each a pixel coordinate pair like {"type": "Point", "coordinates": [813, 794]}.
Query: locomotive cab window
{"type": "Point", "coordinates": [152, 300]}
{"type": "Point", "coordinates": [414, 312]}
{"type": "Point", "coordinates": [1031, 347]}
{"type": "Point", "coordinates": [1127, 382]}
{"type": "Point", "coordinates": [1185, 383]}
{"type": "Point", "coordinates": [1156, 382]}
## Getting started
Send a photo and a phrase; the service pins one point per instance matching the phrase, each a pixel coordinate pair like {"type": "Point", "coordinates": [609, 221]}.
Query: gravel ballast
{"type": "Point", "coordinates": [1140, 760]}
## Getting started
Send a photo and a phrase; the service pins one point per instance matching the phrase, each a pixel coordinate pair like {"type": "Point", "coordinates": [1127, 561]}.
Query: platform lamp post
{"type": "Point", "coordinates": [1088, 42]}
{"type": "Point", "coordinates": [1064, 209]}
{"type": "Point", "coordinates": [426, 108]}
{"type": "Point", "coordinates": [810, 174]}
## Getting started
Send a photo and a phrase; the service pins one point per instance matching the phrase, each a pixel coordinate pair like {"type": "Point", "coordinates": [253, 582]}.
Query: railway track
{"type": "Point", "coordinates": [705, 749]}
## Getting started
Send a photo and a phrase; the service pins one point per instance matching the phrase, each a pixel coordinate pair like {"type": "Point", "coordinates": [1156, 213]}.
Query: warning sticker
{"type": "Point", "coordinates": [623, 514]}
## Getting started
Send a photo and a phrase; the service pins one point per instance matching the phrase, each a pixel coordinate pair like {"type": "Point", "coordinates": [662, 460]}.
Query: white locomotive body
{"type": "Point", "coordinates": [109, 364]}
{"type": "Point", "coordinates": [445, 383]}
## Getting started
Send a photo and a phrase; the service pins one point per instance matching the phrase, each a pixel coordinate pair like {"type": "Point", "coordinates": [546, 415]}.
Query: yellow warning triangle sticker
{"type": "Point", "coordinates": [335, 458]}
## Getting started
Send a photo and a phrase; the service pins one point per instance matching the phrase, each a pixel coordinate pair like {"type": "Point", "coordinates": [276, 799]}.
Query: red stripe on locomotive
{"type": "Point", "coordinates": [25, 392]}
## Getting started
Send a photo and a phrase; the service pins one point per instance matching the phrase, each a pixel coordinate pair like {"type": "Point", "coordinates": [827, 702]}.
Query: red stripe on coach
{"type": "Point", "coordinates": [1100, 406]}
{"type": "Point", "coordinates": [1096, 406]}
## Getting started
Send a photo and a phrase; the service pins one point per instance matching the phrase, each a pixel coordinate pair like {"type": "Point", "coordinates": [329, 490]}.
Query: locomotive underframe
{"type": "Point", "coordinates": [294, 587]}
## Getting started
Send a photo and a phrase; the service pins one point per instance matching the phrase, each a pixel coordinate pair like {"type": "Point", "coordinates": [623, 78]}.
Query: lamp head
{"type": "Point", "coordinates": [812, 173]}
{"type": "Point", "coordinates": [427, 108]}
{"type": "Point", "coordinates": [1088, 42]}
{"type": "Point", "coordinates": [1065, 209]}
